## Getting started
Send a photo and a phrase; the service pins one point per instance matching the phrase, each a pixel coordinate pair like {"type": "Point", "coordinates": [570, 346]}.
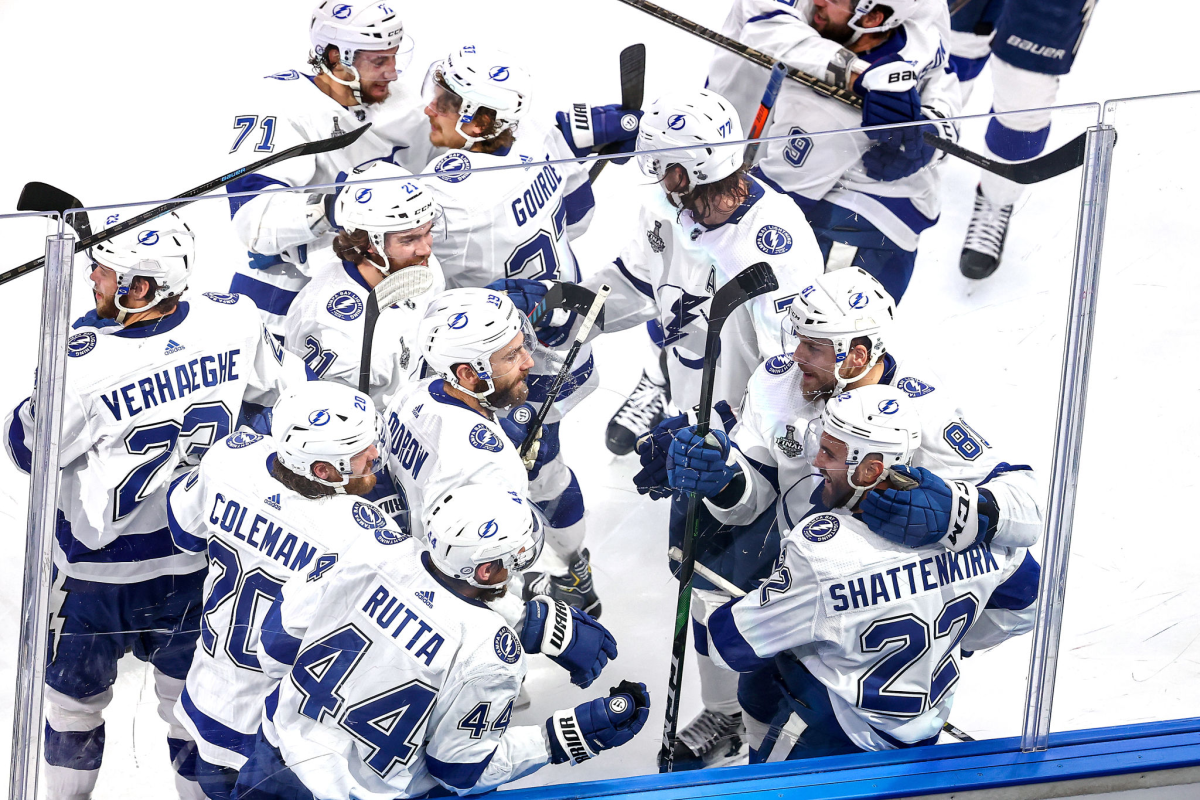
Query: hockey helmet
{"type": "Point", "coordinates": [477, 524]}
{"type": "Point", "coordinates": [472, 78]}
{"type": "Point", "coordinates": [326, 421]}
{"type": "Point", "coordinates": [694, 121]}
{"type": "Point", "coordinates": [391, 206]}
{"type": "Point", "coordinates": [163, 249]}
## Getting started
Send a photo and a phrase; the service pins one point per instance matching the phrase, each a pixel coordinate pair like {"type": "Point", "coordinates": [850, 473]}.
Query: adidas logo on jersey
{"type": "Point", "coordinates": [417, 411]}
{"type": "Point", "coordinates": [172, 347]}
{"type": "Point", "coordinates": [425, 597]}
{"type": "Point", "coordinates": [273, 501]}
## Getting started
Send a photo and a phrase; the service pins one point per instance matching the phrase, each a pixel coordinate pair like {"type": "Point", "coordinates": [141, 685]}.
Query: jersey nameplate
{"type": "Point", "coordinates": [907, 580]}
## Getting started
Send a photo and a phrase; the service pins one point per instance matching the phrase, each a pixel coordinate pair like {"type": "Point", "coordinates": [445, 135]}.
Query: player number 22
{"type": "Point", "coordinates": [243, 125]}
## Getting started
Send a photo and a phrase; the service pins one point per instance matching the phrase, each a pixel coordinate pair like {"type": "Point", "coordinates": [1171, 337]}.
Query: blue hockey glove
{"type": "Point", "coordinates": [578, 734]}
{"type": "Point", "coordinates": [653, 448]}
{"type": "Point", "coordinates": [568, 637]}
{"type": "Point", "coordinates": [517, 425]}
{"type": "Point", "coordinates": [902, 154]}
{"type": "Point", "coordinates": [525, 294]}
{"type": "Point", "coordinates": [928, 513]}
{"type": "Point", "coordinates": [694, 465]}
{"type": "Point", "coordinates": [890, 95]}
{"type": "Point", "coordinates": [589, 128]}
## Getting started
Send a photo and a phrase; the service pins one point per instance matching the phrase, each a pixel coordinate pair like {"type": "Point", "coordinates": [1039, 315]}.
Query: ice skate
{"type": "Point", "coordinates": [985, 238]}
{"type": "Point", "coordinates": [712, 739]}
{"type": "Point", "coordinates": [575, 588]}
{"type": "Point", "coordinates": [637, 415]}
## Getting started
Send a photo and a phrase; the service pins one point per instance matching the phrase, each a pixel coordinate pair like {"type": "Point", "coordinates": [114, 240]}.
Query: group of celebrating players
{"type": "Point", "coordinates": [363, 633]}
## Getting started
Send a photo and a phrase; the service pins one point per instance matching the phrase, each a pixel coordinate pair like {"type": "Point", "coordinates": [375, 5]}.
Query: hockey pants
{"type": "Point", "coordinates": [92, 626]}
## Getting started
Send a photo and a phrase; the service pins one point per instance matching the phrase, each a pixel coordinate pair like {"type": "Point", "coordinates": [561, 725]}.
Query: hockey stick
{"type": "Point", "coordinates": [304, 149]}
{"type": "Point", "coordinates": [677, 555]}
{"type": "Point", "coordinates": [569, 296]}
{"type": "Point", "coordinates": [751, 282]}
{"type": "Point", "coordinates": [38, 196]}
{"type": "Point", "coordinates": [561, 378]}
{"type": "Point", "coordinates": [633, 87]}
{"type": "Point", "coordinates": [401, 285]}
{"type": "Point", "coordinates": [774, 84]}
{"type": "Point", "coordinates": [1065, 159]}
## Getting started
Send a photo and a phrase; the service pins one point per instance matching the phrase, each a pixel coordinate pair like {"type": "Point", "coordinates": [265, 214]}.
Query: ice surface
{"type": "Point", "coordinates": [133, 100]}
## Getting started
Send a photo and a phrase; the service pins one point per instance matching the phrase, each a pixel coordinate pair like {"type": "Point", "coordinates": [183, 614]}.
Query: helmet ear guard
{"type": "Point", "coordinates": [479, 524]}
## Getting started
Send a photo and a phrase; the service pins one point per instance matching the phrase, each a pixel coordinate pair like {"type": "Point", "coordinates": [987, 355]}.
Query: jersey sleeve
{"type": "Point", "coordinates": [267, 380]}
{"type": "Point", "coordinates": [632, 300]}
{"type": "Point", "coordinates": [1011, 609]}
{"type": "Point", "coordinates": [473, 750]}
{"type": "Point", "coordinates": [77, 436]}
{"type": "Point", "coordinates": [1018, 494]}
{"type": "Point", "coordinates": [756, 458]}
{"type": "Point", "coordinates": [287, 621]}
{"type": "Point", "coordinates": [744, 634]}
{"type": "Point", "coordinates": [578, 201]}
{"type": "Point", "coordinates": [185, 508]}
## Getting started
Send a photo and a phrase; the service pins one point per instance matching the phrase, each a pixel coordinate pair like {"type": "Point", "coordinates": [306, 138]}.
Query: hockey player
{"type": "Point", "coordinates": [385, 227]}
{"type": "Point", "coordinates": [154, 381]}
{"type": "Point", "coordinates": [819, 636]}
{"type": "Point", "coordinates": [869, 194]}
{"type": "Point", "coordinates": [304, 485]}
{"type": "Point", "coordinates": [446, 431]}
{"type": "Point", "coordinates": [405, 635]}
{"type": "Point", "coordinates": [838, 327]}
{"type": "Point", "coordinates": [358, 54]}
{"type": "Point", "coordinates": [1035, 44]}
{"type": "Point", "coordinates": [517, 224]}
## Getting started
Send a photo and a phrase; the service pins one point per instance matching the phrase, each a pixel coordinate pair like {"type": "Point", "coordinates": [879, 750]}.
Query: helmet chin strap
{"type": "Point", "coordinates": [354, 85]}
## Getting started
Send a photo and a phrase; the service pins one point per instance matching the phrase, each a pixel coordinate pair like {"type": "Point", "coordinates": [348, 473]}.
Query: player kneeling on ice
{"type": "Point", "coordinates": [398, 678]}
{"type": "Point", "coordinates": [304, 487]}
{"type": "Point", "coordinates": [815, 643]}
{"type": "Point", "coordinates": [154, 381]}
{"type": "Point", "coordinates": [386, 230]}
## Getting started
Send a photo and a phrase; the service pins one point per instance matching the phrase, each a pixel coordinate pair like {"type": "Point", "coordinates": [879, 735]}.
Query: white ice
{"type": "Point", "coordinates": [133, 100]}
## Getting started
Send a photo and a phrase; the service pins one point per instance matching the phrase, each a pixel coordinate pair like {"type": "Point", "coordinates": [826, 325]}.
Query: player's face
{"type": "Point", "coordinates": [510, 365]}
{"type": "Point", "coordinates": [409, 248]}
{"type": "Point", "coordinates": [830, 461]}
{"type": "Point", "coordinates": [442, 111]}
{"type": "Point", "coordinates": [376, 71]}
{"type": "Point", "coordinates": [365, 479]}
{"type": "Point", "coordinates": [831, 18]}
{"type": "Point", "coordinates": [816, 359]}
{"type": "Point", "coordinates": [104, 291]}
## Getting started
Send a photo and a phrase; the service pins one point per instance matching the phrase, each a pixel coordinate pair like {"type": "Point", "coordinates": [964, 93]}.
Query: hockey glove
{"type": "Point", "coordinates": [589, 128]}
{"type": "Point", "coordinates": [552, 329]}
{"type": "Point", "coordinates": [652, 448]}
{"type": "Point", "coordinates": [902, 154]}
{"type": "Point", "coordinates": [889, 90]}
{"type": "Point", "coordinates": [568, 637]}
{"type": "Point", "coordinates": [578, 734]}
{"type": "Point", "coordinates": [545, 447]}
{"type": "Point", "coordinates": [958, 512]}
{"type": "Point", "coordinates": [696, 466]}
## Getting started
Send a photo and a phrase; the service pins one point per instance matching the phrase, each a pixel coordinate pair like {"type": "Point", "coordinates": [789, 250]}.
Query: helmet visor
{"type": "Point", "coordinates": [514, 355]}
{"type": "Point", "coordinates": [437, 95]}
{"type": "Point", "coordinates": [527, 555]}
{"type": "Point", "coordinates": [369, 460]}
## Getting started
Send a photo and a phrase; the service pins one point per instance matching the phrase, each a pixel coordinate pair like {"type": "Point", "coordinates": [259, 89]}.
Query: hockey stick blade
{"type": "Point", "coordinates": [633, 89]}
{"type": "Point", "coordinates": [569, 296]}
{"type": "Point", "coordinates": [302, 149]}
{"type": "Point", "coordinates": [38, 196]}
{"type": "Point", "coordinates": [401, 285]}
{"type": "Point", "coordinates": [754, 280]}
{"type": "Point", "coordinates": [1039, 169]}
{"type": "Point", "coordinates": [1042, 168]}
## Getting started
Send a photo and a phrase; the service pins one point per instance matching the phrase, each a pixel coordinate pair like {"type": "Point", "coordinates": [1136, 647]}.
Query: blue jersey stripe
{"type": "Point", "coordinates": [21, 454]}
{"type": "Point", "coordinates": [267, 297]}
{"type": "Point", "coordinates": [182, 537]}
{"type": "Point", "coordinates": [456, 775]}
{"type": "Point", "coordinates": [215, 732]}
{"type": "Point", "coordinates": [730, 643]}
{"type": "Point", "coordinates": [276, 642]}
{"type": "Point", "coordinates": [637, 283]}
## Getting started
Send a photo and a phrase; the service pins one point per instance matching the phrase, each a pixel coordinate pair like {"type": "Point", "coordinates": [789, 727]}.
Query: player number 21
{"type": "Point", "coordinates": [244, 125]}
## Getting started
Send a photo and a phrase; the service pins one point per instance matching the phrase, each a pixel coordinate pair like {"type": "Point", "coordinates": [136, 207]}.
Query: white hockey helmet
{"type": "Point", "coordinates": [478, 524]}
{"type": "Point", "coordinates": [326, 421]}
{"type": "Point", "coordinates": [695, 119]}
{"type": "Point", "coordinates": [351, 27]}
{"type": "Point", "coordinates": [897, 12]}
{"type": "Point", "coordinates": [472, 78]}
{"type": "Point", "coordinates": [841, 306]}
{"type": "Point", "coordinates": [468, 326]}
{"type": "Point", "coordinates": [163, 249]}
{"type": "Point", "coordinates": [397, 205]}
{"type": "Point", "coordinates": [870, 419]}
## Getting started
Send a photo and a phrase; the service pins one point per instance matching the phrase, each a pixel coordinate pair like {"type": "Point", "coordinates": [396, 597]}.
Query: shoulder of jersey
{"type": "Point", "coordinates": [915, 380]}
{"type": "Point", "coordinates": [369, 517]}
{"type": "Point", "coordinates": [778, 369]}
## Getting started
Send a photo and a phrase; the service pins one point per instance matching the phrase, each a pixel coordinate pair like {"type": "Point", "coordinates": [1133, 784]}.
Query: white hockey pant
{"type": "Point", "coordinates": [718, 687]}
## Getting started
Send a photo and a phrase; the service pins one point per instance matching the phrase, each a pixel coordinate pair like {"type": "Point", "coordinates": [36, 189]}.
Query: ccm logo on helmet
{"type": "Point", "coordinates": [148, 237]}
{"type": "Point", "coordinates": [889, 407]}
{"type": "Point", "coordinates": [318, 418]}
{"type": "Point", "coordinates": [362, 195]}
{"type": "Point", "coordinates": [676, 122]}
{"type": "Point", "coordinates": [498, 73]}
{"type": "Point", "coordinates": [488, 529]}
{"type": "Point", "coordinates": [342, 11]}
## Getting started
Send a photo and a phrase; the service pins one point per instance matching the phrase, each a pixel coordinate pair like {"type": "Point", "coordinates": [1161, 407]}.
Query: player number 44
{"type": "Point", "coordinates": [245, 124]}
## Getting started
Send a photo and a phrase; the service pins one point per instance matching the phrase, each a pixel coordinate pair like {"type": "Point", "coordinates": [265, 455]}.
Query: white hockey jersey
{"type": "Point", "coordinates": [141, 402]}
{"type": "Point", "coordinates": [881, 626]}
{"type": "Point", "coordinates": [257, 534]}
{"type": "Point", "coordinates": [770, 450]}
{"type": "Point", "coordinates": [393, 684]}
{"type": "Point", "coordinates": [325, 327]}
{"type": "Point", "coordinates": [672, 267]}
{"type": "Point", "coordinates": [829, 167]}
{"type": "Point", "coordinates": [290, 109]}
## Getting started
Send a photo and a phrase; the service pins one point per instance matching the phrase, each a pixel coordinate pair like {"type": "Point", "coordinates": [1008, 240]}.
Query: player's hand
{"type": "Point", "coordinates": [901, 154]}
{"type": "Point", "coordinates": [889, 90]}
{"type": "Point", "coordinates": [525, 294]}
{"type": "Point", "coordinates": [568, 637]}
{"type": "Point", "coordinates": [578, 734]}
{"type": "Point", "coordinates": [700, 465]}
{"type": "Point", "coordinates": [517, 424]}
{"type": "Point", "coordinates": [587, 129]}
{"type": "Point", "coordinates": [927, 513]}
{"type": "Point", "coordinates": [652, 448]}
